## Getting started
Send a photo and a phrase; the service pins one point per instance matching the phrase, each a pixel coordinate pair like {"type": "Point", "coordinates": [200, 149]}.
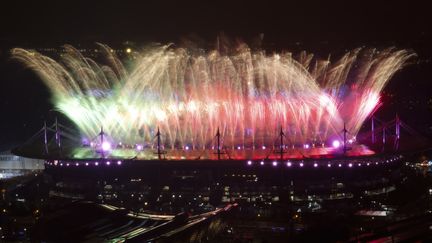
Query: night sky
{"type": "Point", "coordinates": [320, 27]}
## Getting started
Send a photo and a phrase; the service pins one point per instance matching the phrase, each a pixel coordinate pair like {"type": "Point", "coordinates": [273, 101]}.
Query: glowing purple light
{"type": "Point", "coordinates": [315, 165]}
{"type": "Point", "coordinates": [262, 163]}
{"type": "Point", "coordinates": [301, 164]}
{"type": "Point", "coordinates": [249, 162]}
{"type": "Point", "coordinates": [288, 164]}
{"type": "Point", "coordinates": [350, 165]}
{"type": "Point", "coordinates": [119, 162]}
{"type": "Point", "coordinates": [275, 163]}
{"type": "Point", "coordinates": [359, 164]}
{"type": "Point", "coordinates": [306, 146]}
{"type": "Point", "coordinates": [76, 164]}
{"type": "Point", "coordinates": [139, 147]}
{"type": "Point", "coordinates": [329, 165]}
{"type": "Point", "coordinates": [263, 147]}
{"type": "Point", "coordinates": [340, 165]}
{"type": "Point", "coordinates": [368, 164]}
{"type": "Point", "coordinates": [96, 163]}
{"type": "Point", "coordinates": [67, 164]}
{"type": "Point", "coordinates": [336, 144]}
{"type": "Point", "coordinates": [86, 163]}
{"type": "Point", "coordinates": [106, 146]}
{"type": "Point", "coordinates": [108, 163]}
{"type": "Point", "coordinates": [238, 147]}
{"type": "Point", "coordinates": [187, 147]}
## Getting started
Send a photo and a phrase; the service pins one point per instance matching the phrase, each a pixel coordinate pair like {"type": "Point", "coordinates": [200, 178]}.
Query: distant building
{"type": "Point", "coordinates": [12, 165]}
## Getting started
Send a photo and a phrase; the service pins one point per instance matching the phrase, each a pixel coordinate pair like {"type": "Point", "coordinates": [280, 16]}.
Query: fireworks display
{"type": "Point", "coordinates": [247, 94]}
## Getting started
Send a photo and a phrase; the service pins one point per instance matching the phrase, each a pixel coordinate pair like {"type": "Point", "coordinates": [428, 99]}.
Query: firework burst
{"type": "Point", "coordinates": [247, 94]}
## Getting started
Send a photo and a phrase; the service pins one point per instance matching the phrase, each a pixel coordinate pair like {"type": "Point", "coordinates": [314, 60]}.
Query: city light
{"type": "Point", "coordinates": [106, 146]}
{"type": "Point", "coordinates": [336, 143]}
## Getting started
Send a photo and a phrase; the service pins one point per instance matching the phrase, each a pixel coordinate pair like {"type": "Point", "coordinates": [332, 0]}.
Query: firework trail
{"type": "Point", "coordinates": [247, 94]}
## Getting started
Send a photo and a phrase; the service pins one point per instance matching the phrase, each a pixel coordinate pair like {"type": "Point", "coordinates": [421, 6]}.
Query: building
{"type": "Point", "coordinates": [12, 165]}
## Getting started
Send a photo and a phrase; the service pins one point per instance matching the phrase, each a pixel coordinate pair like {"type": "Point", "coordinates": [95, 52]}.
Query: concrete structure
{"type": "Point", "coordinates": [12, 165]}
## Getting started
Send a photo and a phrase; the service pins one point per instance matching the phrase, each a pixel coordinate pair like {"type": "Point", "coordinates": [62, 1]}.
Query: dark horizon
{"type": "Point", "coordinates": [333, 21]}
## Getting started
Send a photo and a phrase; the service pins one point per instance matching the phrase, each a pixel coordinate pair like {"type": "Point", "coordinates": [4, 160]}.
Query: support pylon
{"type": "Point", "coordinates": [218, 151]}
{"type": "Point", "coordinates": [45, 138]}
{"type": "Point", "coordinates": [159, 152]}
{"type": "Point", "coordinates": [281, 150]}
{"type": "Point", "coordinates": [344, 139]}
{"type": "Point", "coordinates": [57, 135]}
{"type": "Point", "coordinates": [373, 129]}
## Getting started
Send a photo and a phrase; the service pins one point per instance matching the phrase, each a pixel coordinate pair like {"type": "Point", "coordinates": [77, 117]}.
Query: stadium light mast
{"type": "Point", "coordinates": [281, 151]}
{"type": "Point", "coordinates": [397, 132]}
{"type": "Point", "coordinates": [218, 151]}
{"type": "Point", "coordinates": [101, 134]}
{"type": "Point", "coordinates": [373, 130]}
{"type": "Point", "coordinates": [344, 139]}
{"type": "Point", "coordinates": [397, 127]}
{"type": "Point", "coordinates": [158, 142]}
{"type": "Point", "coordinates": [45, 137]}
{"type": "Point", "coordinates": [57, 134]}
{"type": "Point", "coordinates": [159, 150]}
{"type": "Point", "coordinates": [218, 143]}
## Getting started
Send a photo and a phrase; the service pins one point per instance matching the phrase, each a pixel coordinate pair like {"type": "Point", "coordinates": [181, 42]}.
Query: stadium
{"type": "Point", "coordinates": [181, 130]}
{"type": "Point", "coordinates": [181, 104]}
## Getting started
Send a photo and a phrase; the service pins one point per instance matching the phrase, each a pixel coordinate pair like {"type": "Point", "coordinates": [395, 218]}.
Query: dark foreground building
{"type": "Point", "coordinates": [276, 199]}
